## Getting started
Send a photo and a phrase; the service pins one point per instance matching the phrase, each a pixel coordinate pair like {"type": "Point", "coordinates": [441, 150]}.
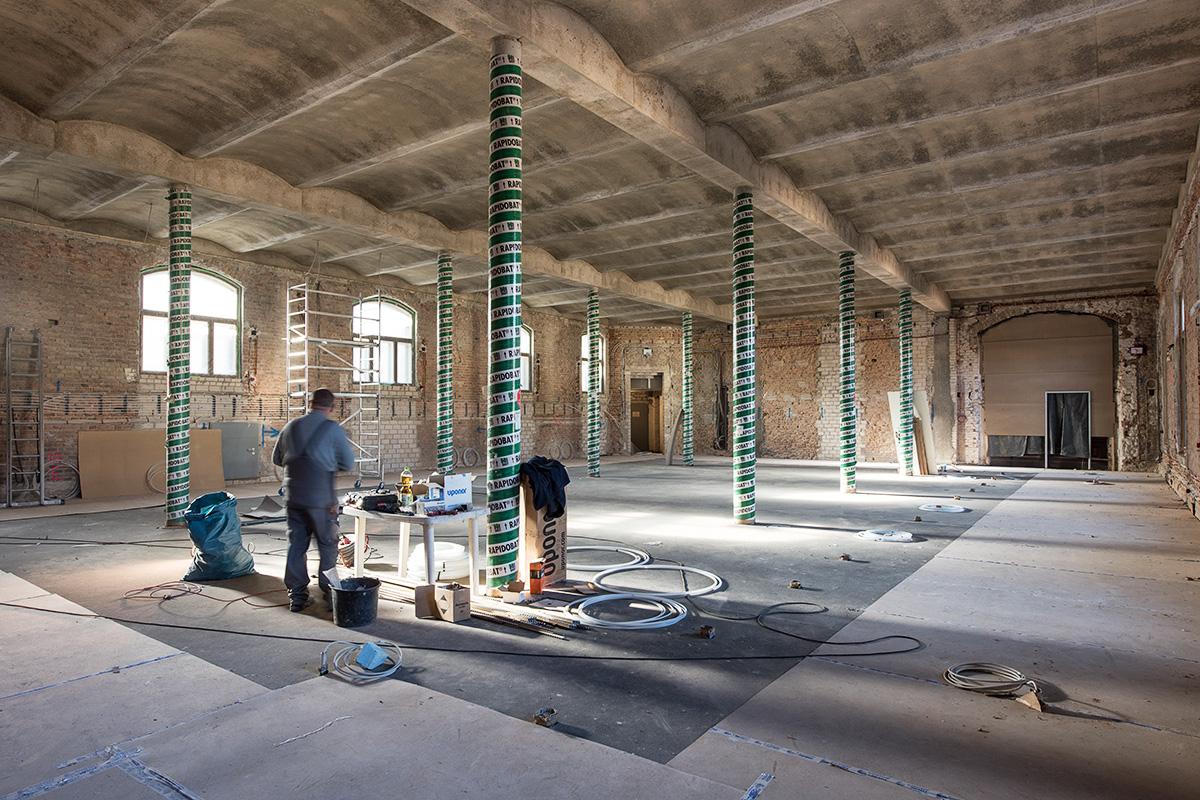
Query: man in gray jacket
{"type": "Point", "coordinates": [312, 449]}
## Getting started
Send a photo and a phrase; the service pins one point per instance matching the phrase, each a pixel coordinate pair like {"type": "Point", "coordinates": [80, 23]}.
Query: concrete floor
{"type": "Point", "coordinates": [652, 708]}
{"type": "Point", "coordinates": [1083, 586]}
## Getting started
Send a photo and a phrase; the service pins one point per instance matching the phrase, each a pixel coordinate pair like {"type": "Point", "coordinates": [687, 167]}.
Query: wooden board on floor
{"type": "Point", "coordinates": [114, 463]}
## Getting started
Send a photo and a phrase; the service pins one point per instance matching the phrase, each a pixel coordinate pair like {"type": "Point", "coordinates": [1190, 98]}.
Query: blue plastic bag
{"type": "Point", "coordinates": [213, 524]}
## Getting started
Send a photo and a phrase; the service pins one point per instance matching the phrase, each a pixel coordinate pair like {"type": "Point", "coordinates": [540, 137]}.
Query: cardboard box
{"type": "Point", "coordinates": [457, 491]}
{"type": "Point", "coordinates": [425, 601]}
{"type": "Point", "coordinates": [453, 602]}
{"type": "Point", "coordinates": [543, 539]}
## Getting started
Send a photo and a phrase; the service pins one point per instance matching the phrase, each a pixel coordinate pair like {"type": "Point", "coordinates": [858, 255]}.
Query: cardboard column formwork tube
{"type": "Point", "coordinates": [445, 364]}
{"type": "Point", "coordinates": [593, 398]}
{"type": "Point", "coordinates": [848, 432]}
{"type": "Point", "coordinates": [906, 380]}
{"type": "Point", "coordinates": [179, 353]}
{"type": "Point", "coordinates": [504, 311]}
{"type": "Point", "coordinates": [689, 449]}
{"type": "Point", "coordinates": [745, 453]}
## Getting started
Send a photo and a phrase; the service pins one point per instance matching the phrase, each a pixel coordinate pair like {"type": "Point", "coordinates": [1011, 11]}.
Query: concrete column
{"type": "Point", "coordinates": [688, 417]}
{"type": "Point", "coordinates": [445, 364]}
{"type": "Point", "coordinates": [593, 398]}
{"type": "Point", "coordinates": [906, 381]}
{"type": "Point", "coordinates": [848, 433]}
{"type": "Point", "coordinates": [745, 450]}
{"type": "Point", "coordinates": [504, 312]}
{"type": "Point", "coordinates": [179, 354]}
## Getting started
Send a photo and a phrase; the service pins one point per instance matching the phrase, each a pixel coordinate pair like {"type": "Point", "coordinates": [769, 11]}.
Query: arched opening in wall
{"type": "Point", "coordinates": [1048, 391]}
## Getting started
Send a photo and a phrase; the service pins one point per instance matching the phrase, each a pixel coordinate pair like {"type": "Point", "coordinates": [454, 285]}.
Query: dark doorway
{"type": "Point", "coordinates": [645, 414]}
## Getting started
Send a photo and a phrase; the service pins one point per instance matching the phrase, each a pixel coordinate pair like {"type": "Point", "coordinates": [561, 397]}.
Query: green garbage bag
{"type": "Point", "coordinates": [216, 532]}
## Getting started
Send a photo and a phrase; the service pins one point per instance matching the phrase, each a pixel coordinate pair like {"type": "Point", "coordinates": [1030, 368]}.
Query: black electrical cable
{"type": "Point", "coordinates": [422, 648]}
{"type": "Point", "coordinates": [776, 609]}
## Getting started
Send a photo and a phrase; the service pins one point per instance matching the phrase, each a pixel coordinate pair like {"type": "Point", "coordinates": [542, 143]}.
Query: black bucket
{"type": "Point", "coordinates": [357, 603]}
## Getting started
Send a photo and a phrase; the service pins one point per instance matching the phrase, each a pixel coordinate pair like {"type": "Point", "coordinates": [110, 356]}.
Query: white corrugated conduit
{"type": "Point", "coordinates": [716, 583]}
{"type": "Point", "coordinates": [638, 557]}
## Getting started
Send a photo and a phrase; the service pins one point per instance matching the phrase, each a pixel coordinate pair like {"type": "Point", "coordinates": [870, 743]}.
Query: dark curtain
{"type": "Point", "coordinates": [1067, 425]}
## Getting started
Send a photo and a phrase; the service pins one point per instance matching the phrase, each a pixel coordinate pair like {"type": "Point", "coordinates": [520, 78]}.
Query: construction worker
{"type": "Point", "coordinates": [312, 449]}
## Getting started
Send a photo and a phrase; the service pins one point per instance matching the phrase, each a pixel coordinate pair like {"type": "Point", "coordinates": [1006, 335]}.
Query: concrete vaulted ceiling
{"type": "Point", "coordinates": [967, 150]}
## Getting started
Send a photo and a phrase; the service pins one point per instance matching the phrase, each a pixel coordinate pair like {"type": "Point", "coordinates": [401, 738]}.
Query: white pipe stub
{"type": "Point", "coordinates": [885, 535]}
{"type": "Point", "coordinates": [715, 581]}
{"type": "Point", "coordinates": [945, 509]}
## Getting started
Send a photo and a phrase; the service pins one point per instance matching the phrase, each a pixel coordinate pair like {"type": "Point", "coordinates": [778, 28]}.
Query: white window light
{"type": "Point", "coordinates": [584, 355]}
{"type": "Point", "coordinates": [215, 322]}
{"type": "Point", "coordinates": [393, 360]}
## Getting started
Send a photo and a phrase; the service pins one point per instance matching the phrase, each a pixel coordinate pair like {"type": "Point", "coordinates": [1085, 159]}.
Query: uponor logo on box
{"type": "Point", "coordinates": [458, 490]}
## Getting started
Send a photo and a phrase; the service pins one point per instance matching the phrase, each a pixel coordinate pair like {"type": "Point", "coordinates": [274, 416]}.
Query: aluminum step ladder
{"type": "Point", "coordinates": [26, 462]}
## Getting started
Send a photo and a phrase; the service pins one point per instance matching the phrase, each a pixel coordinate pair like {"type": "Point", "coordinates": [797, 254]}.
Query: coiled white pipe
{"type": "Point", "coordinates": [345, 665]}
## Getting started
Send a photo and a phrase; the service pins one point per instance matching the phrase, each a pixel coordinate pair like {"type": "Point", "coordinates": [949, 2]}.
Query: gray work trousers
{"type": "Point", "coordinates": [303, 524]}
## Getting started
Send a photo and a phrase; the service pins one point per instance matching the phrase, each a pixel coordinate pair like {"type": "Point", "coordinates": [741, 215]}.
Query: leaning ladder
{"type": "Point", "coordinates": [314, 360]}
{"type": "Point", "coordinates": [26, 462]}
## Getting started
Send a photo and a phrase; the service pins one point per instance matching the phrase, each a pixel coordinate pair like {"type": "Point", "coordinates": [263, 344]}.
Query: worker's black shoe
{"type": "Point", "coordinates": [300, 602]}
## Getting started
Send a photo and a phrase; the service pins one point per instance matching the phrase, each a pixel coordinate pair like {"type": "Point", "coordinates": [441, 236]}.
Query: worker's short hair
{"type": "Point", "coordinates": [322, 398]}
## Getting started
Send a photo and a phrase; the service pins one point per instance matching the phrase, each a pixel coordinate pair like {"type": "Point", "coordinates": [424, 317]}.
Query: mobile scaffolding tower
{"type": "Point", "coordinates": [347, 358]}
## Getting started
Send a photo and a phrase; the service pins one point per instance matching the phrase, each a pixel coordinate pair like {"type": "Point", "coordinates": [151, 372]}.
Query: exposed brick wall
{"type": "Point", "coordinates": [82, 291]}
{"type": "Point", "coordinates": [1179, 362]}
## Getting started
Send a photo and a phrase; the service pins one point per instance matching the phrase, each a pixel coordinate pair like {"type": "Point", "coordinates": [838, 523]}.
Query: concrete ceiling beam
{"type": "Point", "coordinates": [1155, 122]}
{"type": "Point", "coordinates": [94, 202]}
{"type": "Point", "coordinates": [349, 168]}
{"type": "Point", "coordinates": [269, 116]}
{"type": "Point", "coordinates": [1151, 194]}
{"type": "Point", "coordinates": [563, 51]}
{"type": "Point", "coordinates": [997, 35]}
{"type": "Point", "coordinates": [1045, 92]}
{"type": "Point", "coordinates": [178, 16]}
{"type": "Point", "coordinates": [1027, 244]}
{"type": "Point", "coordinates": [283, 237]}
{"type": "Point", "coordinates": [1016, 179]}
{"type": "Point", "coordinates": [129, 154]}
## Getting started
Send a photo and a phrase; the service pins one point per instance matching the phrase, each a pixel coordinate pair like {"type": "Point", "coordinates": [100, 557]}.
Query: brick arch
{"type": "Point", "coordinates": [1133, 320]}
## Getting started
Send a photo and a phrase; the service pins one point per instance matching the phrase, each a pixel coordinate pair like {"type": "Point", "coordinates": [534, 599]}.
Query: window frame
{"type": "Point", "coordinates": [374, 354]}
{"type": "Point", "coordinates": [532, 387]}
{"type": "Point", "coordinates": [236, 321]}
{"type": "Point", "coordinates": [584, 357]}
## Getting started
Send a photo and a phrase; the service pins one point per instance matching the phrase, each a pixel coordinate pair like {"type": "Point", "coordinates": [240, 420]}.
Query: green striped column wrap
{"type": "Point", "coordinates": [848, 434]}
{"type": "Point", "coordinates": [906, 380]}
{"type": "Point", "coordinates": [689, 447]}
{"type": "Point", "coordinates": [593, 398]}
{"type": "Point", "coordinates": [179, 353]}
{"type": "Point", "coordinates": [445, 364]}
{"type": "Point", "coordinates": [745, 451]}
{"type": "Point", "coordinates": [504, 312]}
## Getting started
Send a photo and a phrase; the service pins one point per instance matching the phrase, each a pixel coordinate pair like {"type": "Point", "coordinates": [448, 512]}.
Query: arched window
{"type": "Point", "coordinates": [526, 358]}
{"type": "Point", "coordinates": [395, 324]}
{"type": "Point", "coordinates": [216, 316]}
{"type": "Point", "coordinates": [583, 362]}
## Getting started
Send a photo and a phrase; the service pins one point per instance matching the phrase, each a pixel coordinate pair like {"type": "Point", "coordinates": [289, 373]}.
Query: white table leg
{"type": "Point", "coordinates": [360, 545]}
{"type": "Point", "coordinates": [430, 575]}
{"type": "Point", "coordinates": [402, 569]}
{"type": "Point", "coordinates": [472, 552]}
